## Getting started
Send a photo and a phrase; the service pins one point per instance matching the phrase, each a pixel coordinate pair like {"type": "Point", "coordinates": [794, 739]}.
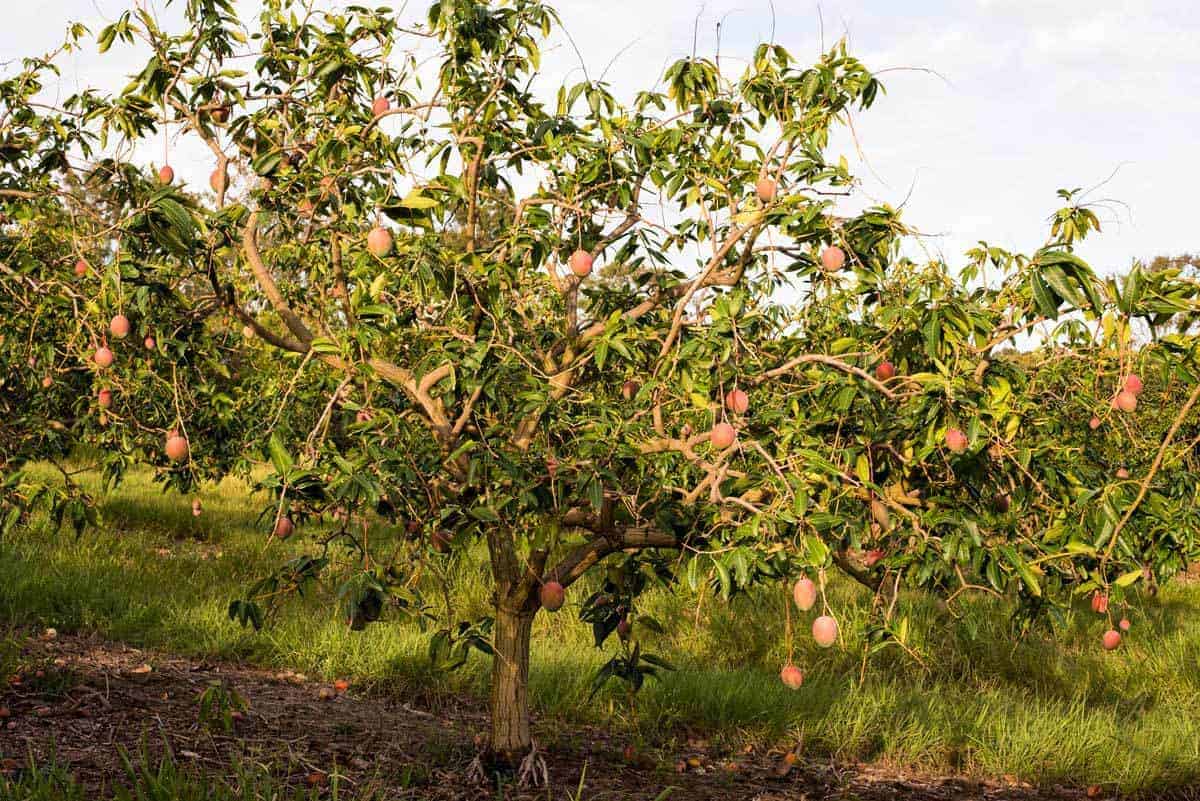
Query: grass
{"type": "Point", "coordinates": [163, 779]}
{"type": "Point", "coordinates": [978, 701]}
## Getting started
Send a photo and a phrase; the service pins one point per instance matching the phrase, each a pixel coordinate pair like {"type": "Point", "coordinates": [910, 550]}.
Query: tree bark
{"type": "Point", "coordinates": [511, 738]}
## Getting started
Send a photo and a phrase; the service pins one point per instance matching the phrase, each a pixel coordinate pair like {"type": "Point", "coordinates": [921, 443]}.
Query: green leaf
{"type": "Point", "coordinates": [279, 456]}
{"type": "Point", "coordinates": [415, 200]}
{"type": "Point", "coordinates": [1057, 279]}
{"type": "Point", "coordinates": [267, 163]}
{"type": "Point", "coordinates": [485, 513]}
{"type": "Point", "coordinates": [1045, 300]}
{"type": "Point", "coordinates": [724, 579]}
{"type": "Point", "coordinates": [1027, 576]}
{"type": "Point", "coordinates": [843, 345]}
{"type": "Point", "coordinates": [657, 661]}
{"type": "Point", "coordinates": [1129, 578]}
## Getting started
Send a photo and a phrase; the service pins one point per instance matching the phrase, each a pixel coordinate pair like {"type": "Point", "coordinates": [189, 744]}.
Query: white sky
{"type": "Point", "coordinates": [1030, 96]}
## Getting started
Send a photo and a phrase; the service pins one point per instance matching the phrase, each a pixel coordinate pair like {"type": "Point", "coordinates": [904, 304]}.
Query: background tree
{"type": "Point", "coordinates": [390, 293]}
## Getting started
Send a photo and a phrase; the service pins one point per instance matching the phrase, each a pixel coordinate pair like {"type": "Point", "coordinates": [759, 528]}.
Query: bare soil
{"type": "Point", "coordinates": [80, 700]}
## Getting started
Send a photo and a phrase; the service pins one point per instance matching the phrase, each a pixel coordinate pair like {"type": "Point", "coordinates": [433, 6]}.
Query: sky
{"type": "Point", "coordinates": [991, 105]}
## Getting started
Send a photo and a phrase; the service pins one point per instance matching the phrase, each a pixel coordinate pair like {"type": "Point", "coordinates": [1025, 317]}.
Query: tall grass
{"type": "Point", "coordinates": [974, 699]}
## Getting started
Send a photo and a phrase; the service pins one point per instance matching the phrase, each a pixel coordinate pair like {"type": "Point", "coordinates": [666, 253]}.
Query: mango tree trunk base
{"type": "Point", "coordinates": [511, 741]}
{"type": "Point", "coordinates": [531, 772]}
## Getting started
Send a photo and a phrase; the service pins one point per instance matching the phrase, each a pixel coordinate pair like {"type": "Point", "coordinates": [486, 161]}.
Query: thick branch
{"type": "Point", "coordinates": [266, 334]}
{"type": "Point", "coordinates": [503, 555]}
{"type": "Point", "coordinates": [473, 190]}
{"type": "Point", "coordinates": [583, 557]}
{"type": "Point", "coordinates": [268, 285]}
{"type": "Point", "coordinates": [418, 392]}
{"type": "Point", "coordinates": [468, 407]}
{"type": "Point", "coordinates": [562, 377]}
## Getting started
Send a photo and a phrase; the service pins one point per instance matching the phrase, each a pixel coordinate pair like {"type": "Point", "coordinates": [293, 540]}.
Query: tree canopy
{"type": "Point", "coordinates": [635, 335]}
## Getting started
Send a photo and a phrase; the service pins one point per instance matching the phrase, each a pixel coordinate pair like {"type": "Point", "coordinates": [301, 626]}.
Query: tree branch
{"type": "Point", "coordinates": [266, 334]}
{"type": "Point", "coordinates": [863, 577]}
{"type": "Point", "coordinates": [268, 285]}
{"type": "Point", "coordinates": [830, 361]}
{"type": "Point", "coordinates": [702, 281]}
{"type": "Point", "coordinates": [1158, 459]}
{"type": "Point", "coordinates": [418, 392]}
{"type": "Point", "coordinates": [402, 110]}
{"type": "Point", "coordinates": [576, 563]}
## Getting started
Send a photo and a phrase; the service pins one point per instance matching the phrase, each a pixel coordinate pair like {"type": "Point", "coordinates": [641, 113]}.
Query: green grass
{"type": "Point", "coordinates": [163, 779]}
{"type": "Point", "coordinates": [978, 702]}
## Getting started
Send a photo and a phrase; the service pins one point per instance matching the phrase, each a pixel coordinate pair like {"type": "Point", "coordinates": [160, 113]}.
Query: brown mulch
{"type": "Point", "coordinates": [81, 699]}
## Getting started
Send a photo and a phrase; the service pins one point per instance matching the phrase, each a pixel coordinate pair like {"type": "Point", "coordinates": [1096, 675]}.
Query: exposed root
{"type": "Point", "coordinates": [477, 771]}
{"type": "Point", "coordinates": [533, 771]}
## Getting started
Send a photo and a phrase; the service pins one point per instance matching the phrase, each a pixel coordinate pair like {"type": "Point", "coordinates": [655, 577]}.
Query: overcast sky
{"type": "Point", "coordinates": [1024, 97]}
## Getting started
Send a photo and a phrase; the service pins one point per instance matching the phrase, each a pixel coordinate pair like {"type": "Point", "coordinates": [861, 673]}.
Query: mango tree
{"type": "Point", "coordinates": [634, 336]}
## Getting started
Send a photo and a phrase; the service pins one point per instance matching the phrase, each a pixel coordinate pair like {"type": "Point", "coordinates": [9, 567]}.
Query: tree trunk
{"type": "Point", "coordinates": [511, 739]}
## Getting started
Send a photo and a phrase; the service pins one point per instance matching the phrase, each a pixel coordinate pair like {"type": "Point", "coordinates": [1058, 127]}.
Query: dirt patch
{"type": "Point", "coordinates": [81, 700]}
